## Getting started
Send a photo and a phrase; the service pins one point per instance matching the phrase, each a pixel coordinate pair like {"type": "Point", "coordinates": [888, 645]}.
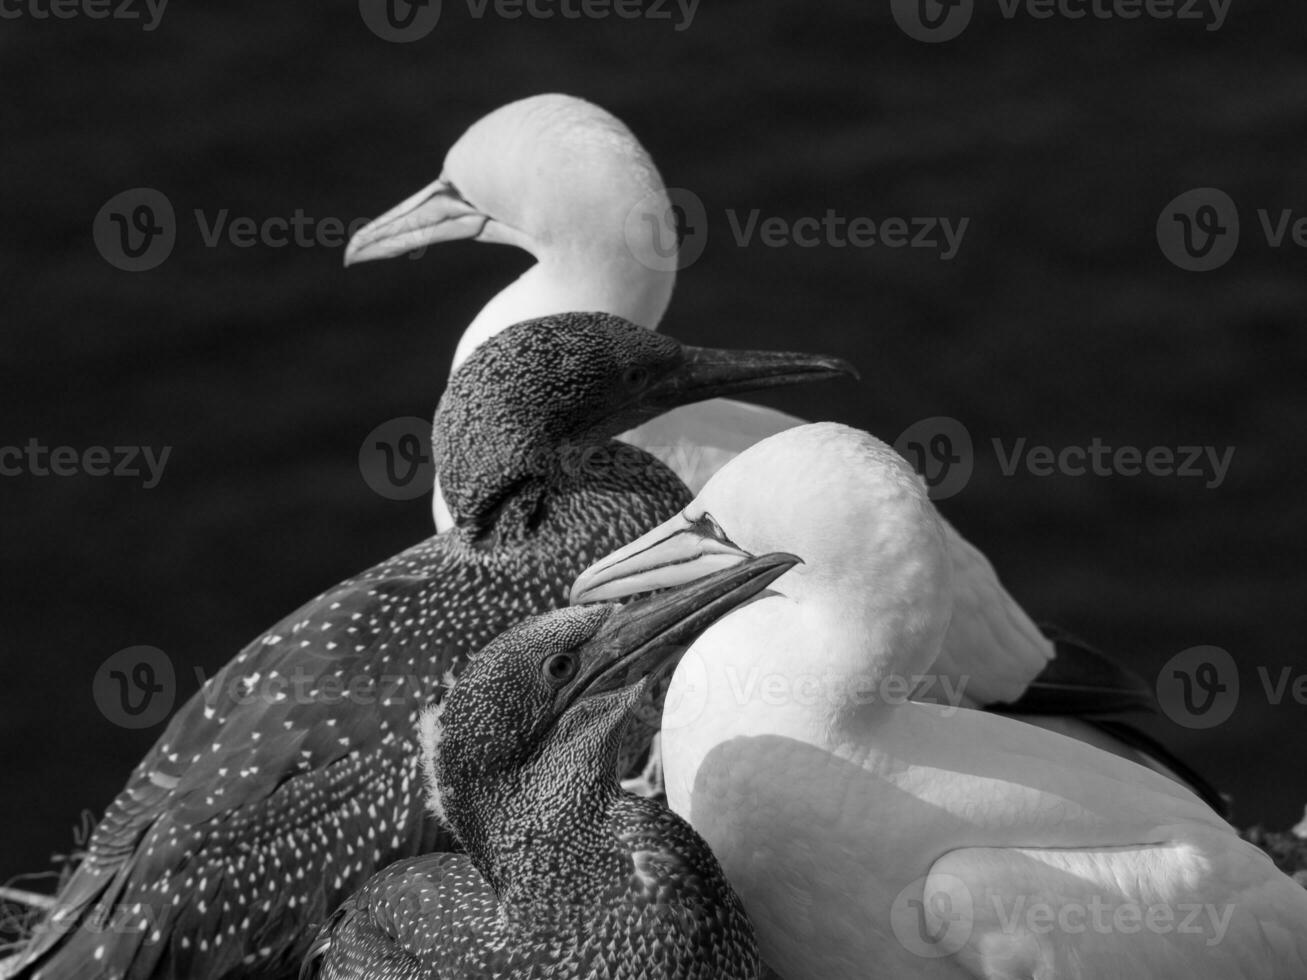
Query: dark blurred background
{"type": "Point", "coordinates": [1059, 320]}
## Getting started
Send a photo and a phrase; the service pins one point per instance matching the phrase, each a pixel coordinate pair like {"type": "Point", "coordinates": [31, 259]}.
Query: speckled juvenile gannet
{"type": "Point", "coordinates": [569, 183]}
{"type": "Point", "coordinates": [292, 775]}
{"type": "Point", "coordinates": [873, 835]}
{"type": "Point", "coordinates": [564, 875]}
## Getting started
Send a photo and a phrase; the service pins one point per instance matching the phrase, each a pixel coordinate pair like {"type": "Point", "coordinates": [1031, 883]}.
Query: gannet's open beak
{"type": "Point", "coordinates": [649, 634]}
{"type": "Point", "coordinates": [437, 213]}
{"type": "Point", "coordinates": [676, 552]}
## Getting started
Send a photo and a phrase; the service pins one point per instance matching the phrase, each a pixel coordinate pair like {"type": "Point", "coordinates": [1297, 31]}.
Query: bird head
{"type": "Point", "coordinates": [874, 594]}
{"type": "Point", "coordinates": [535, 403]}
{"type": "Point", "coordinates": [536, 717]}
{"type": "Point", "coordinates": [561, 179]}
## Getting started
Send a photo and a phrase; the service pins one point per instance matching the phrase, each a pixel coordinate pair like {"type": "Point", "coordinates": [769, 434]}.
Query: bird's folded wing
{"type": "Point", "coordinates": [262, 730]}
{"type": "Point", "coordinates": [992, 649]}
{"type": "Point", "coordinates": [1082, 682]}
{"type": "Point", "coordinates": [1203, 904]}
{"type": "Point", "coordinates": [423, 917]}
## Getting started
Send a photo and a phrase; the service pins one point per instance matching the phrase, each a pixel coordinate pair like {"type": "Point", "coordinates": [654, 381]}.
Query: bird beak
{"type": "Point", "coordinates": [674, 553]}
{"type": "Point", "coordinates": [650, 634]}
{"type": "Point", "coordinates": [708, 372]}
{"type": "Point", "coordinates": [437, 213]}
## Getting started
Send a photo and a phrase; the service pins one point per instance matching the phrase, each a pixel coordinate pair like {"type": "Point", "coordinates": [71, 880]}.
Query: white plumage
{"type": "Point", "coordinates": [872, 835]}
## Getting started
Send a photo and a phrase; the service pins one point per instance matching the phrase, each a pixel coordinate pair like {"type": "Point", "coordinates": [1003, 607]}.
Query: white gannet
{"type": "Point", "coordinates": [569, 183]}
{"type": "Point", "coordinates": [873, 835]}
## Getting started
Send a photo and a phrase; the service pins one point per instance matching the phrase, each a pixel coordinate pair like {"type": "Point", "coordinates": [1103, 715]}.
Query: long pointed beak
{"type": "Point", "coordinates": [708, 372]}
{"type": "Point", "coordinates": [676, 552]}
{"type": "Point", "coordinates": [437, 213]}
{"type": "Point", "coordinates": [649, 635]}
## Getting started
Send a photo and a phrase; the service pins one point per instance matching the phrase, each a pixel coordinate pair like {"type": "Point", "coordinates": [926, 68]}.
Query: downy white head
{"type": "Point", "coordinates": [564, 180]}
{"type": "Point", "coordinates": [866, 611]}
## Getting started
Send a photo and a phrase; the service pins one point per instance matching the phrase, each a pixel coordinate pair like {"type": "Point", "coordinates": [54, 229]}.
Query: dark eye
{"type": "Point", "coordinates": [560, 668]}
{"type": "Point", "coordinates": [635, 378]}
{"type": "Point", "coordinates": [707, 526]}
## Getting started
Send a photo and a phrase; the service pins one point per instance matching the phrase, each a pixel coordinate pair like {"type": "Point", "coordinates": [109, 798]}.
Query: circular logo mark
{"type": "Point", "coordinates": [933, 916]}
{"type": "Point", "coordinates": [932, 21]}
{"type": "Point", "coordinates": [1199, 230]}
{"type": "Point", "coordinates": [400, 21]}
{"type": "Point", "coordinates": [667, 231]}
{"type": "Point", "coordinates": [395, 458]}
{"type": "Point", "coordinates": [135, 230]}
{"type": "Point", "coordinates": [688, 693]}
{"type": "Point", "coordinates": [136, 687]}
{"type": "Point", "coordinates": [1199, 687]}
{"type": "Point", "coordinates": [939, 448]}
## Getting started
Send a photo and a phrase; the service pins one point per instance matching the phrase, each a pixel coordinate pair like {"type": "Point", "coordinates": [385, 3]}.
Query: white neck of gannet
{"type": "Point", "coordinates": [602, 277]}
{"type": "Point", "coordinates": [852, 630]}
{"type": "Point", "coordinates": [564, 283]}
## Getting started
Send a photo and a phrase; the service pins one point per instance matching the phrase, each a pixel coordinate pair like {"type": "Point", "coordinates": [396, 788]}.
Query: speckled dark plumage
{"type": "Point", "coordinates": [565, 876]}
{"type": "Point", "coordinates": [270, 797]}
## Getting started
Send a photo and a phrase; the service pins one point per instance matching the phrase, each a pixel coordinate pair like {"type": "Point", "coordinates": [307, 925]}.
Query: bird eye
{"type": "Point", "coordinates": [560, 668]}
{"type": "Point", "coordinates": [635, 377]}
{"type": "Point", "coordinates": [707, 525]}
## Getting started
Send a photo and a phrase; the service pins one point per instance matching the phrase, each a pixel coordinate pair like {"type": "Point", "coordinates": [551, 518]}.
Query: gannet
{"type": "Point", "coordinates": [569, 183]}
{"type": "Point", "coordinates": [291, 776]}
{"type": "Point", "coordinates": [873, 835]}
{"type": "Point", "coordinates": [564, 875]}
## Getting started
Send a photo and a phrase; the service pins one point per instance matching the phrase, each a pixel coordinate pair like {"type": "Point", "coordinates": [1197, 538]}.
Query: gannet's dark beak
{"type": "Point", "coordinates": [708, 372]}
{"type": "Point", "coordinates": [674, 553]}
{"type": "Point", "coordinates": [649, 634]}
{"type": "Point", "coordinates": [437, 213]}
